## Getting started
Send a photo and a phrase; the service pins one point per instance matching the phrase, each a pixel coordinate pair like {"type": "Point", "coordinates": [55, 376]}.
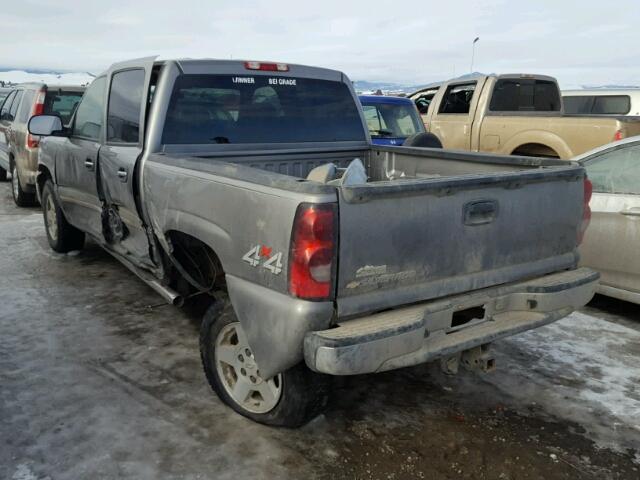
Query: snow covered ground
{"type": "Point", "coordinates": [20, 76]}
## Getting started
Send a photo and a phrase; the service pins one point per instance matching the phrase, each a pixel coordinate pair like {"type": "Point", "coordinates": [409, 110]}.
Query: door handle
{"type": "Point", "coordinates": [123, 175]}
{"type": "Point", "coordinates": [89, 164]}
{"type": "Point", "coordinates": [480, 212]}
{"type": "Point", "coordinates": [631, 212]}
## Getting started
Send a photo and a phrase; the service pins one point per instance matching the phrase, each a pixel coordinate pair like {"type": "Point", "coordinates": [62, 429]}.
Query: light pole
{"type": "Point", "coordinates": [473, 52]}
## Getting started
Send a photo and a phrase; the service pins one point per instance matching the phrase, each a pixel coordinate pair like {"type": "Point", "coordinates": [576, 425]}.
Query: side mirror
{"type": "Point", "coordinates": [45, 125]}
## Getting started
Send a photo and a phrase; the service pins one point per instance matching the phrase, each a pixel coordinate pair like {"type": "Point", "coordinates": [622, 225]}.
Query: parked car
{"type": "Point", "coordinates": [391, 120]}
{"type": "Point", "coordinates": [250, 182]}
{"type": "Point", "coordinates": [602, 101]}
{"type": "Point", "coordinates": [611, 243]}
{"type": "Point", "coordinates": [19, 149]}
{"type": "Point", "coordinates": [517, 115]}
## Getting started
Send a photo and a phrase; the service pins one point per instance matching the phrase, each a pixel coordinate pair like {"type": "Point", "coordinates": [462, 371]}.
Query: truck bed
{"type": "Point", "coordinates": [449, 222]}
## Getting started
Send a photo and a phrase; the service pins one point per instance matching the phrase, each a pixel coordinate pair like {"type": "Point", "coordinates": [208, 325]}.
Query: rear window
{"type": "Point", "coordinates": [62, 103]}
{"type": "Point", "coordinates": [525, 95]}
{"type": "Point", "coordinates": [597, 104]}
{"type": "Point", "coordinates": [208, 109]}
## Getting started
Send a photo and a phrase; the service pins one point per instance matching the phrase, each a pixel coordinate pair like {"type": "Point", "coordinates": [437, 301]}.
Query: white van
{"type": "Point", "coordinates": [602, 101]}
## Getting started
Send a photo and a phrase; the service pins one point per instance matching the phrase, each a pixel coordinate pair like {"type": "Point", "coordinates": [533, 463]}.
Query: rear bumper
{"type": "Point", "coordinates": [424, 332]}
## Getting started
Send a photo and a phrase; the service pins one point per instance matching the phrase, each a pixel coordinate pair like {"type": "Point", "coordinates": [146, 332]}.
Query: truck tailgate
{"type": "Point", "coordinates": [407, 241]}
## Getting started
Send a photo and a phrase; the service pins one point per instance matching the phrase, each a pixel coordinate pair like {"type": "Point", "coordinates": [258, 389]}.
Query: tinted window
{"type": "Point", "coordinates": [88, 120]}
{"type": "Point", "coordinates": [15, 105]}
{"type": "Point", "coordinates": [7, 105]}
{"type": "Point", "coordinates": [27, 106]}
{"type": "Point", "coordinates": [611, 105]}
{"type": "Point", "coordinates": [525, 95]}
{"type": "Point", "coordinates": [597, 104]}
{"type": "Point", "coordinates": [457, 98]}
{"type": "Point", "coordinates": [61, 103]}
{"type": "Point", "coordinates": [260, 109]}
{"type": "Point", "coordinates": [616, 171]}
{"type": "Point", "coordinates": [391, 120]}
{"type": "Point", "coordinates": [579, 104]}
{"type": "Point", "coordinates": [125, 103]}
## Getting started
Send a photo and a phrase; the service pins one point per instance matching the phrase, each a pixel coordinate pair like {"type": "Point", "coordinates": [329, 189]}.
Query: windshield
{"type": "Point", "coordinates": [260, 109]}
{"type": "Point", "coordinates": [59, 102]}
{"type": "Point", "coordinates": [391, 120]}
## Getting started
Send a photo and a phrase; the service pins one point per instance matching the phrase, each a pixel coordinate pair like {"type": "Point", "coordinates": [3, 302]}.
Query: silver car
{"type": "Point", "coordinates": [611, 241]}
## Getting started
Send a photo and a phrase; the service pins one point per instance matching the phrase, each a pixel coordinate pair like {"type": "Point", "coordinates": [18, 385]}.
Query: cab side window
{"type": "Point", "coordinates": [27, 106]}
{"type": "Point", "coordinates": [14, 106]}
{"type": "Point", "coordinates": [88, 119]}
{"type": "Point", "coordinates": [6, 106]}
{"type": "Point", "coordinates": [457, 98]}
{"type": "Point", "coordinates": [616, 171]}
{"type": "Point", "coordinates": [125, 105]}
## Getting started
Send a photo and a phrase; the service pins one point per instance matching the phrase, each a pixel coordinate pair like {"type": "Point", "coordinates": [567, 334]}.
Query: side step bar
{"type": "Point", "coordinates": [170, 295]}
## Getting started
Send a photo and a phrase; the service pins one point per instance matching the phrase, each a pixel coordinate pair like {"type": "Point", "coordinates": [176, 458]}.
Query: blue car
{"type": "Point", "coordinates": [391, 120]}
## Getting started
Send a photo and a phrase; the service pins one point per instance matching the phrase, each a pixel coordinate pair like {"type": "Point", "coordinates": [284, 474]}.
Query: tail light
{"type": "Point", "coordinates": [618, 136]}
{"type": "Point", "coordinates": [269, 67]}
{"type": "Point", "coordinates": [586, 209]}
{"type": "Point", "coordinates": [312, 261]}
{"type": "Point", "coordinates": [38, 109]}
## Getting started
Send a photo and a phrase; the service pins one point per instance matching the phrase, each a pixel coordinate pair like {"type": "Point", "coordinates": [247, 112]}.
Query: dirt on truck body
{"type": "Point", "coordinates": [257, 184]}
{"type": "Point", "coordinates": [514, 115]}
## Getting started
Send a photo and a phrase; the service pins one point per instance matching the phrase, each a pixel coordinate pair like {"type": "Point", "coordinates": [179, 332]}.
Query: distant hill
{"type": "Point", "coordinates": [14, 76]}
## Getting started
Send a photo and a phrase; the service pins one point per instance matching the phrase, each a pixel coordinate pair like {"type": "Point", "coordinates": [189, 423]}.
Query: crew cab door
{"type": "Point", "coordinates": [452, 121]}
{"type": "Point", "coordinates": [126, 112]}
{"type": "Point", "coordinates": [77, 160]}
{"type": "Point", "coordinates": [611, 242]}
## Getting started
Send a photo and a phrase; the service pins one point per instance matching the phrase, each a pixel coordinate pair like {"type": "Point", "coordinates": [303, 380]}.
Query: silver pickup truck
{"type": "Point", "coordinates": [257, 184]}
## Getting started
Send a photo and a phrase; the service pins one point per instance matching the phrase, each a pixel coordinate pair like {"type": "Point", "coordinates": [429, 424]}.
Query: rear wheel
{"type": "Point", "coordinates": [3, 175]}
{"type": "Point", "coordinates": [289, 399]}
{"type": "Point", "coordinates": [62, 236]}
{"type": "Point", "coordinates": [20, 197]}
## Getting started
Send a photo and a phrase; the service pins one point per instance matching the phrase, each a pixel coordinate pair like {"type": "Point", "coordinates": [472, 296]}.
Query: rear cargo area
{"type": "Point", "coordinates": [427, 223]}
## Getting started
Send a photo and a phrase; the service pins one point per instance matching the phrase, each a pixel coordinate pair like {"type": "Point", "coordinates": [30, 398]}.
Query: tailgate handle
{"type": "Point", "coordinates": [480, 212]}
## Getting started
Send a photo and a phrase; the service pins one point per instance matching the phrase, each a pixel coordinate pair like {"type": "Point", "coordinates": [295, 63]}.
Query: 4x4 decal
{"type": "Point", "coordinates": [261, 254]}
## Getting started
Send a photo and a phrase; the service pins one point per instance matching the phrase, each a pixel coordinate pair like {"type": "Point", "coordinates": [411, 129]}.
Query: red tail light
{"type": "Point", "coordinates": [269, 67]}
{"type": "Point", "coordinates": [618, 136]}
{"type": "Point", "coordinates": [313, 251]}
{"type": "Point", "coordinates": [586, 209]}
{"type": "Point", "coordinates": [38, 109]}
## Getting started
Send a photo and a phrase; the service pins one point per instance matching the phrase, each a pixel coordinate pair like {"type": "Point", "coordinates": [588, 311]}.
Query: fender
{"type": "Point", "coordinates": [542, 137]}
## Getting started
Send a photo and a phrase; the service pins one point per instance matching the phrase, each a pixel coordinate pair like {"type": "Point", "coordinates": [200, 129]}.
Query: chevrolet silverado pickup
{"type": "Point", "coordinates": [256, 185]}
{"type": "Point", "coordinates": [514, 115]}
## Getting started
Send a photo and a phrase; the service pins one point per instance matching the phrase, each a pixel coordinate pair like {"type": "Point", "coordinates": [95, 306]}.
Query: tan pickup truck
{"type": "Point", "coordinates": [514, 114]}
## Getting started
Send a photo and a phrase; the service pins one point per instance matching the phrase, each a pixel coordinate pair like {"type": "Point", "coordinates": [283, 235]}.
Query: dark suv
{"type": "Point", "coordinates": [18, 149]}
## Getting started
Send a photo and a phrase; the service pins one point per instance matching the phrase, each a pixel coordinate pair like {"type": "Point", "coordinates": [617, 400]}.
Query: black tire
{"type": "Point", "coordinates": [3, 175]}
{"type": "Point", "coordinates": [424, 140]}
{"type": "Point", "coordinates": [20, 197]}
{"type": "Point", "coordinates": [65, 237]}
{"type": "Point", "coordinates": [304, 394]}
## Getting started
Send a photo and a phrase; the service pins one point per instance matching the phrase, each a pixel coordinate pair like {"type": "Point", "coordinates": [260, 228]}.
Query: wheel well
{"type": "Point", "coordinates": [43, 176]}
{"type": "Point", "coordinates": [535, 150]}
{"type": "Point", "coordinates": [194, 265]}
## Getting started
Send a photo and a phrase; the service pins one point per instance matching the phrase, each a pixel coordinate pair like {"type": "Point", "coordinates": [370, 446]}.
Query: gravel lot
{"type": "Point", "coordinates": [98, 379]}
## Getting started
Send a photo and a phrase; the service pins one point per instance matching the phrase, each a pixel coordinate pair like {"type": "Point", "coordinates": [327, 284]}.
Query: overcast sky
{"type": "Point", "coordinates": [409, 42]}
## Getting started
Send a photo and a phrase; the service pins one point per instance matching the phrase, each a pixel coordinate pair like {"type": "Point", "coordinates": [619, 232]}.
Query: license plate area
{"type": "Point", "coordinates": [466, 317]}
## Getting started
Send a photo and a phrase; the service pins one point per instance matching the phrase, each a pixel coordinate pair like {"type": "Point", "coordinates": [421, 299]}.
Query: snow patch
{"type": "Point", "coordinates": [20, 76]}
